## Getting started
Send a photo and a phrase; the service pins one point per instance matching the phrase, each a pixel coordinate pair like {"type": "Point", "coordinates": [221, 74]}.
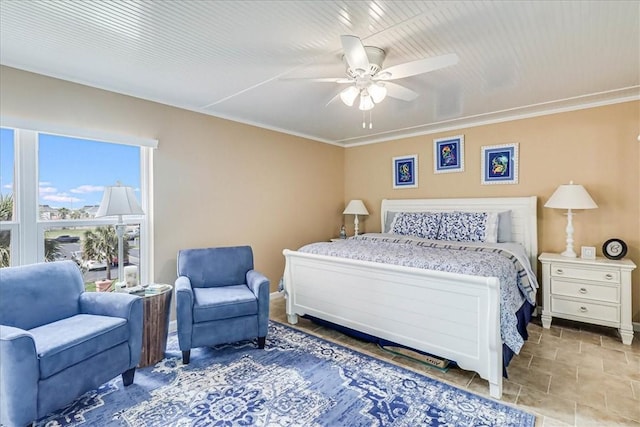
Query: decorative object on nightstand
{"type": "Point", "coordinates": [588, 252]}
{"type": "Point", "coordinates": [570, 196]}
{"type": "Point", "coordinates": [614, 249]}
{"type": "Point", "coordinates": [343, 233]}
{"type": "Point", "coordinates": [120, 201]}
{"type": "Point", "coordinates": [592, 291]}
{"type": "Point", "coordinates": [356, 207]}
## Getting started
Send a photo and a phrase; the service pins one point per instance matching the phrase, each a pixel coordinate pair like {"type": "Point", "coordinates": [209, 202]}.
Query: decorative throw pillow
{"type": "Point", "coordinates": [469, 227]}
{"type": "Point", "coordinates": [420, 224]}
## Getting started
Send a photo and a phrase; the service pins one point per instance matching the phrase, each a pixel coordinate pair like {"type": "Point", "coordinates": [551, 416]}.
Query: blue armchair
{"type": "Point", "coordinates": [220, 298]}
{"type": "Point", "coordinates": [58, 341]}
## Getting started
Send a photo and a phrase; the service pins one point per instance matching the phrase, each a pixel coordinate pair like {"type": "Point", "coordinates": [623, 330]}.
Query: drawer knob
{"type": "Point", "coordinates": [583, 290]}
{"type": "Point", "coordinates": [583, 309]}
{"type": "Point", "coordinates": [608, 276]}
{"type": "Point", "coordinates": [559, 271]}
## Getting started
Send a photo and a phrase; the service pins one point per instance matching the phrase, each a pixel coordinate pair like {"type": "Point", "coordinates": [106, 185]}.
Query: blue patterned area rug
{"type": "Point", "coordinates": [298, 380]}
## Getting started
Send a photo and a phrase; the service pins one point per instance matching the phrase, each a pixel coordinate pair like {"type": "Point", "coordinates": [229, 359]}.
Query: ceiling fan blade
{"type": "Point", "coordinates": [354, 53]}
{"type": "Point", "coordinates": [420, 66]}
{"type": "Point", "coordinates": [394, 90]}
{"type": "Point", "coordinates": [335, 98]}
{"type": "Point", "coordinates": [321, 79]}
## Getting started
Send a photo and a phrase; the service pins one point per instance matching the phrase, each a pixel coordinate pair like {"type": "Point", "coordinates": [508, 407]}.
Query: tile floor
{"type": "Point", "coordinates": [572, 374]}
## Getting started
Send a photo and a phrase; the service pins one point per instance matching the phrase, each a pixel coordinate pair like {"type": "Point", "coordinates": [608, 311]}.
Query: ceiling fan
{"type": "Point", "coordinates": [372, 83]}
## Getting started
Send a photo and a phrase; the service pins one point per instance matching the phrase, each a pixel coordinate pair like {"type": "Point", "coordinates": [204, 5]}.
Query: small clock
{"type": "Point", "coordinates": [614, 249]}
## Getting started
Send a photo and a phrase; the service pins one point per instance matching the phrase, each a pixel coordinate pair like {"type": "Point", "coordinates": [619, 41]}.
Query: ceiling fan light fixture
{"type": "Point", "coordinates": [378, 92]}
{"type": "Point", "coordinates": [366, 103]}
{"type": "Point", "coordinates": [349, 95]}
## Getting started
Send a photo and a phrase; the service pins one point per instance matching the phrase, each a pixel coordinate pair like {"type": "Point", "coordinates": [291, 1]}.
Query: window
{"type": "Point", "coordinates": [7, 226]}
{"type": "Point", "coordinates": [57, 190]}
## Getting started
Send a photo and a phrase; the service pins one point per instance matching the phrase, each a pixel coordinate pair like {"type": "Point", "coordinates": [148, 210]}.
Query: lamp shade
{"type": "Point", "coordinates": [119, 200]}
{"type": "Point", "coordinates": [355, 207]}
{"type": "Point", "coordinates": [570, 196]}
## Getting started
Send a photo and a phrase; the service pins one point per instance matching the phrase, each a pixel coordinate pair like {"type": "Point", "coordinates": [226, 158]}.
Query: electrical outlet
{"type": "Point", "coordinates": [588, 252]}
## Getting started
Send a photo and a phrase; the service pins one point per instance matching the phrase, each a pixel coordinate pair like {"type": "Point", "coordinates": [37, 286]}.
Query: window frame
{"type": "Point", "coordinates": [27, 244]}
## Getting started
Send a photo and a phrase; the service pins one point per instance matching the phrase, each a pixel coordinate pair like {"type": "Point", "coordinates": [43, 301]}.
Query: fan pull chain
{"type": "Point", "coordinates": [364, 120]}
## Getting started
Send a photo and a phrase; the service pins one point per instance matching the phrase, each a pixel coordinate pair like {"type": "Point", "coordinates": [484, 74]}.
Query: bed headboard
{"type": "Point", "coordinates": [524, 222]}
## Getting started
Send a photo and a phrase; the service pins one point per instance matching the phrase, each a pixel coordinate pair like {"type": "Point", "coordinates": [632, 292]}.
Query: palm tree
{"type": "Point", "coordinates": [6, 207]}
{"type": "Point", "coordinates": [51, 249]}
{"type": "Point", "coordinates": [6, 214]}
{"type": "Point", "coordinates": [63, 212]}
{"type": "Point", "coordinates": [102, 245]}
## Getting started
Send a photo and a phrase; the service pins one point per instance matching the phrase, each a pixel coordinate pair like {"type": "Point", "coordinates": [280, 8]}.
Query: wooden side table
{"type": "Point", "coordinates": [156, 307]}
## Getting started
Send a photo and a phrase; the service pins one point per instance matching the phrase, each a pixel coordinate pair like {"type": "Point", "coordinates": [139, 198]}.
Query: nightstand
{"type": "Point", "coordinates": [592, 291]}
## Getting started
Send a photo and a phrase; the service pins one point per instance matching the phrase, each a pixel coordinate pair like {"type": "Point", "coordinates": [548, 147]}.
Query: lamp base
{"type": "Point", "coordinates": [569, 254]}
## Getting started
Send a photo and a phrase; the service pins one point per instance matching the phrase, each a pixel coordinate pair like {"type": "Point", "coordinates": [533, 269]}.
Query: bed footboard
{"type": "Point", "coordinates": [449, 315]}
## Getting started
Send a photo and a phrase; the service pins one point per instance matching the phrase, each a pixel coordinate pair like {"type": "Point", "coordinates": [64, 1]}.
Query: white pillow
{"type": "Point", "coordinates": [504, 227]}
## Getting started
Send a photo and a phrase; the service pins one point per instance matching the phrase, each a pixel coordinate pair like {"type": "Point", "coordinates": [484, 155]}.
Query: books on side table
{"type": "Point", "coordinates": [152, 289]}
{"type": "Point", "coordinates": [156, 288]}
{"type": "Point", "coordinates": [133, 290]}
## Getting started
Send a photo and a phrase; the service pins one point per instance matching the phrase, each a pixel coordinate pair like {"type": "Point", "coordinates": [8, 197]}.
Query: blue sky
{"type": "Point", "coordinates": [73, 172]}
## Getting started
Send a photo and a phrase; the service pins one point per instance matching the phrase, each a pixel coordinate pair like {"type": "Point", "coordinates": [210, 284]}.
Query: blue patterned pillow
{"type": "Point", "coordinates": [469, 227]}
{"type": "Point", "coordinates": [420, 224]}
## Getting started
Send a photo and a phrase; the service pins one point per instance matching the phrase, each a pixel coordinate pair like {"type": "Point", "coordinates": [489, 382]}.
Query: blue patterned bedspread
{"type": "Point", "coordinates": [507, 262]}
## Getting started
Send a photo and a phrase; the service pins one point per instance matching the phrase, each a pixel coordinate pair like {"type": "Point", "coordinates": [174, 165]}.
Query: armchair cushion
{"type": "Point", "coordinates": [69, 341]}
{"type": "Point", "coordinates": [224, 303]}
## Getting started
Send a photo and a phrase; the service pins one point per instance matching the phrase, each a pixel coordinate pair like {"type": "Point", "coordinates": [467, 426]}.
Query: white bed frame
{"type": "Point", "coordinates": [454, 316]}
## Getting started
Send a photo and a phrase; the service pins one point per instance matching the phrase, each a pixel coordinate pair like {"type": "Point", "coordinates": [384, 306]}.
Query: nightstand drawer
{"type": "Point", "coordinates": [588, 310]}
{"type": "Point", "coordinates": [585, 290]}
{"type": "Point", "coordinates": [595, 274]}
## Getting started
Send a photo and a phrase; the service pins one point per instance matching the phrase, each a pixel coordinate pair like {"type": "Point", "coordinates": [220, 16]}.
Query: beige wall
{"type": "Point", "coordinates": [222, 183]}
{"type": "Point", "coordinates": [216, 182]}
{"type": "Point", "coordinates": [596, 147]}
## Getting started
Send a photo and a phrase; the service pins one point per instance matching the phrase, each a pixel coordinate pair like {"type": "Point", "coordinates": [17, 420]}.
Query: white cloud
{"type": "Point", "coordinates": [61, 198]}
{"type": "Point", "coordinates": [83, 189]}
{"type": "Point", "coordinates": [48, 190]}
{"type": "Point", "coordinates": [8, 186]}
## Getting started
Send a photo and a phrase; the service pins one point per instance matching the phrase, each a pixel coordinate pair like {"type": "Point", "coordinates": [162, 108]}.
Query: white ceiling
{"type": "Point", "coordinates": [236, 59]}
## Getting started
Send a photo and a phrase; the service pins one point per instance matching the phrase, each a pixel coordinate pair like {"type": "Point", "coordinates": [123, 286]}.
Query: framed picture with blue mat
{"type": "Point", "coordinates": [405, 171]}
{"type": "Point", "coordinates": [448, 154]}
{"type": "Point", "coordinates": [500, 164]}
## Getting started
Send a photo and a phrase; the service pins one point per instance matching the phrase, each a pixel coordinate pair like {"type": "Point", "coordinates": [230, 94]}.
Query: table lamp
{"type": "Point", "coordinates": [355, 207]}
{"type": "Point", "coordinates": [570, 196]}
{"type": "Point", "coordinates": [119, 200]}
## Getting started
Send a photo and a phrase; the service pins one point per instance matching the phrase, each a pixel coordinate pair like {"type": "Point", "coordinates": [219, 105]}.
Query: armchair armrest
{"type": "Point", "coordinates": [184, 311]}
{"type": "Point", "coordinates": [20, 372]}
{"type": "Point", "coordinates": [259, 285]}
{"type": "Point", "coordinates": [122, 305]}
{"type": "Point", "coordinates": [112, 304]}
